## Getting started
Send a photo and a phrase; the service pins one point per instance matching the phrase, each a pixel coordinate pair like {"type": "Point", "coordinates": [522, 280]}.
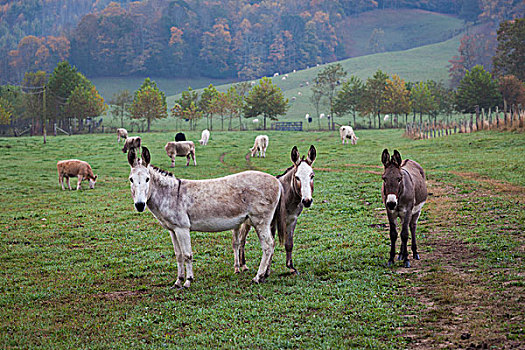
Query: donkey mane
{"type": "Point", "coordinates": [285, 172]}
{"type": "Point", "coordinates": [162, 171]}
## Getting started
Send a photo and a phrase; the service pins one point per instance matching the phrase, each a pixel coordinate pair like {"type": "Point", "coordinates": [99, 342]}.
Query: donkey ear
{"type": "Point", "coordinates": [385, 158]}
{"type": "Point", "coordinates": [146, 157]}
{"type": "Point", "coordinates": [312, 153]}
{"type": "Point", "coordinates": [132, 157]}
{"type": "Point", "coordinates": [396, 158]}
{"type": "Point", "coordinates": [295, 155]}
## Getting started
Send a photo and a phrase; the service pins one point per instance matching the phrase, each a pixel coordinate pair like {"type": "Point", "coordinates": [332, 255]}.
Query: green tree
{"type": "Point", "coordinates": [374, 100]}
{"type": "Point", "coordinates": [266, 99]}
{"type": "Point", "coordinates": [85, 102]}
{"type": "Point", "coordinates": [149, 103]}
{"type": "Point", "coordinates": [422, 99]}
{"type": "Point", "coordinates": [477, 88]}
{"type": "Point", "coordinates": [64, 79]}
{"type": "Point", "coordinates": [510, 53]}
{"type": "Point", "coordinates": [6, 111]}
{"type": "Point", "coordinates": [34, 85]}
{"type": "Point", "coordinates": [121, 103]}
{"type": "Point", "coordinates": [183, 106]}
{"type": "Point", "coordinates": [349, 97]}
{"type": "Point", "coordinates": [327, 82]}
{"type": "Point", "coordinates": [205, 104]}
{"type": "Point", "coordinates": [316, 99]}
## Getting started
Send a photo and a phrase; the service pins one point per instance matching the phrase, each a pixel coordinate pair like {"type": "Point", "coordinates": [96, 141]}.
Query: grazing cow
{"type": "Point", "coordinates": [346, 132]}
{"type": "Point", "coordinates": [180, 137]}
{"type": "Point", "coordinates": [205, 136]}
{"type": "Point", "coordinates": [298, 186]}
{"type": "Point", "coordinates": [211, 205]}
{"type": "Point", "coordinates": [75, 168]}
{"type": "Point", "coordinates": [404, 192]}
{"type": "Point", "coordinates": [181, 149]}
{"type": "Point", "coordinates": [122, 133]}
{"type": "Point", "coordinates": [259, 146]}
{"type": "Point", "coordinates": [131, 142]}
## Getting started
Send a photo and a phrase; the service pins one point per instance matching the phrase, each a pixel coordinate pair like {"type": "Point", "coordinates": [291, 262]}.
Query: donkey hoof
{"type": "Point", "coordinates": [187, 284]}
{"type": "Point", "coordinates": [177, 285]}
{"type": "Point", "coordinates": [416, 256]}
{"type": "Point", "coordinates": [407, 263]}
{"type": "Point", "coordinates": [244, 268]}
{"type": "Point", "coordinates": [294, 272]}
{"type": "Point", "coordinates": [236, 270]}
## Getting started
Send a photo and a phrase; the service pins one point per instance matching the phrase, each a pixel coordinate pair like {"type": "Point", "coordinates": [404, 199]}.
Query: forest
{"type": "Point", "coordinates": [217, 39]}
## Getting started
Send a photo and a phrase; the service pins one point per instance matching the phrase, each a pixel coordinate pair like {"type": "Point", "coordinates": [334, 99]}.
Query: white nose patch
{"type": "Point", "coordinates": [391, 198]}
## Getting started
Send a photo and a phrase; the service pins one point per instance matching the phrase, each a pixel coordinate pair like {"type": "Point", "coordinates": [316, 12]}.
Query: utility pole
{"type": "Point", "coordinates": [44, 114]}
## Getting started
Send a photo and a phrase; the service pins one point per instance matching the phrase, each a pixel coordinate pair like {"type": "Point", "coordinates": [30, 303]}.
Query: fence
{"type": "Point", "coordinates": [288, 126]}
{"type": "Point", "coordinates": [513, 120]}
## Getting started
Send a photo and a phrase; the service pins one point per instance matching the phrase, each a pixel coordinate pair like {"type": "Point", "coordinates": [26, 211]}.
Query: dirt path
{"type": "Point", "coordinates": [466, 304]}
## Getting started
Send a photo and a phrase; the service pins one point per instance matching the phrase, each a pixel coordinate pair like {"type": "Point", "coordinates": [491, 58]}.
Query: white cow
{"type": "Point", "coordinates": [346, 132]}
{"type": "Point", "coordinates": [259, 146]}
{"type": "Point", "coordinates": [205, 136]}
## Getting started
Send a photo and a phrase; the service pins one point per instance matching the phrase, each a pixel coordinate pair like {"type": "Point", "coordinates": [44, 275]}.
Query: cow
{"type": "Point", "coordinates": [259, 146]}
{"type": "Point", "coordinates": [75, 168]}
{"type": "Point", "coordinates": [122, 133]}
{"type": "Point", "coordinates": [181, 149]}
{"type": "Point", "coordinates": [205, 136]}
{"type": "Point", "coordinates": [346, 132]}
{"type": "Point", "coordinates": [131, 142]}
{"type": "Point", "coordinates": [180, 137]}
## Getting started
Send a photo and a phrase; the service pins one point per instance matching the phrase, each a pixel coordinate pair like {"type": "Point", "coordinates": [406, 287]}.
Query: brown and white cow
{"type": "Point", "coordinates": [259, 146]}
{"type": "Point", "coordinates": [131, 142]}
{"type": "Point", "coordinates": [181, 149]}
{"type": "Point", "coordinates": [122, 133]}
{"type": "Point", "coordinates": [75, 168]}
{"type": "Point", "coordinates": [347, 132]}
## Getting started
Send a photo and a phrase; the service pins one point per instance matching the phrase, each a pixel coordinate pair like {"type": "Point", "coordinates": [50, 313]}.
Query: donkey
{"type": "Point", "coordinates": [212, 205]}
{"type": "Point", "coordinates": [404, 193]}
{"type": "Point", "coordinates": [298, 185]}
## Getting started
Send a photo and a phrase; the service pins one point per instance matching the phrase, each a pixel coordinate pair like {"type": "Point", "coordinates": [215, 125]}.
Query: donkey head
{"type": "Point", "coordinates": [392, 178]}
{"type": "Point", "coordinates": [139, 177]}
{"type": "Point", "coordinates": [303, 179]}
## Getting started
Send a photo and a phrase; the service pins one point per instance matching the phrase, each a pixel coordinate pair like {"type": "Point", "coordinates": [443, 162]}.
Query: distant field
{"type": "Point", "coordinates": [403, 29]}
{"type": "Point", "coordinates": [85, 270]}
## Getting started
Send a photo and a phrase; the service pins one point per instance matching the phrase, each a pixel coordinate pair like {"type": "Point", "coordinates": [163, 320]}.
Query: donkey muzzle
{"type": "Point", "coordinates": [391, 201]}
{"type": "Point", "coordinates": [140, 206]}
{"type": "Point", "coordinates": [307, 202]}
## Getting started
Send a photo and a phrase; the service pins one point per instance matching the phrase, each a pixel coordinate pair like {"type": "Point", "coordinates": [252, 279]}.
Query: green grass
{"type": "Point", "coordinates": [84, 270]}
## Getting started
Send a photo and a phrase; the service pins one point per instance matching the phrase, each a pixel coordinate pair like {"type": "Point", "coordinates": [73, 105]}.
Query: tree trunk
{"type": "Point", "coordinates": [265, 122]}
{"type": "Point", "coordinates": [149, 123]}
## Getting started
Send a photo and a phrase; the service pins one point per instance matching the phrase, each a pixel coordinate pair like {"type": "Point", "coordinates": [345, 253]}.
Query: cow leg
{"type": "Point", "coordinates": [172, 162]}
{"type": "Point", "coordinates": [180, 260]}
{"type": "Point", "coordinates": [194, 160]}
{"type": "Point", "coordinates": [67, 180]}
{"type": "Point", "coordinates": [61, 181]}
{"type": "Point", "coordinates": [79, 181]}
{"type": "Point", "coordinates": [187, 159]}
{"type": "Point", "coordinates": [183, 237]}
{"type": "Point", "coordinates": [264, 152]}
{"type": "Point", "coordinates": [413, 226]}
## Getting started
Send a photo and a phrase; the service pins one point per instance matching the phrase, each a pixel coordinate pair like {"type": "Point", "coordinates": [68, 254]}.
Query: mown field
{"type": "Point", "coordinates": [84, 270]}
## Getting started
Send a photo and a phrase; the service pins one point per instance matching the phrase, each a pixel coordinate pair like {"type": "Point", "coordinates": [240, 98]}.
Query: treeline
{"type": "Point", "coordinates": [230, 38]}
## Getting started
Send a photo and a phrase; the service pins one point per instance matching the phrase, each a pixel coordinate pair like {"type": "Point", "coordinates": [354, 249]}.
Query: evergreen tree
{"type": "Point", "coordinates": [510, 53]}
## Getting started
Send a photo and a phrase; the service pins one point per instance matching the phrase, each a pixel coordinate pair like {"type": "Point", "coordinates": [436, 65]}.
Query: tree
{"type": "Point", "coordinates": [85, 102]}
{"type": "Point", "coordinates": [205, 104]}
{"type": "Point", "coordinates": [33, 85]}
{"type": "Point", "coordinates": [376, 43]}
{"type": "Point", "coordinates": [350, 96]}
{"type": "Point", "coordinates": [266, 99]}
{"type": "Point", "coordinates": [183, 106]}
{"type": "Point", "coordinates": [316, 99]}
{"type": "Point", "coordinates": [149, 103]}
{"type": "Point", "coordinates": [327, 82]}
{"type": "Point", "coordinates": [121, 102]}
{"type": "Point", "coordinates": [510, 53]}
{"type": "Point", "coordinates": [422, 99]}
{"type": "Point", "coordinates": [374, 100]}
{"type": "Point", "coordinates": [397, 97]}
{"type": "Point", "coordinates": [477, 88]}
{"type": "Point", "coordinates": [512, 90]}
{"type": "Point", "coordinates": [6, 111]}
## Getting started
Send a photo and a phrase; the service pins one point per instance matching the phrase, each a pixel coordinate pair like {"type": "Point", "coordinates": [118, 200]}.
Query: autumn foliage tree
{"type": "Point", "coordinates": [512, 91]}
{"type": "Point", "coordinates": [85, 102]}
{"type": "Point", "coordinates": [397, 97]}
{"type": "Point", "coordinates": [510, 53]}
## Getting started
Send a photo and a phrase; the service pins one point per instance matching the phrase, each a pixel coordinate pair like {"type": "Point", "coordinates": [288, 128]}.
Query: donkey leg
{"type": "Point", "coordinates": [180, 260]}
{"type": "Point", "coordinates": [236, 243]}
{"type": "Point", "coordinates": [288, 245]}
{"type": "Point", "coordinates": [183, 237]}
{"type": "Point", "coordinates": [267, 246]}
{"type": "Point", "coordinates": [404, 239]}
{"type": "Point", "coordinates": [393, 239]}
{"type": "Point", "coordinates": [413, 226]}
{"type": "Point", "coordinates": [245, 228]}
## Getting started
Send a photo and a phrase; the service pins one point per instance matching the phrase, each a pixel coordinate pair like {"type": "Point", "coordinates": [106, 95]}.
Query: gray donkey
{"type": "Point", "coordinates": [404, 193]}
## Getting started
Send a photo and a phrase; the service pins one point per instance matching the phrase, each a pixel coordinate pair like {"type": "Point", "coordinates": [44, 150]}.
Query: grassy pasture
{"type": "Point", "coordinates": [84, 270]}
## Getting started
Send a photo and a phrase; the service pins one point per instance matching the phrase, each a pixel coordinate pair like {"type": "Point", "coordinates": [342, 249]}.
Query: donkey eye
{"type": "Point", "coordinates": [131, 180]}
{"type": "Point", "coordinates": [297, 178]}
{"type": "Point", "coordinates": [147, 179]}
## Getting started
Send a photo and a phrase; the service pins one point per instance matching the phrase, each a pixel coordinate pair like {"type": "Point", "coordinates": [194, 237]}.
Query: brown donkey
{"type": "Point", "coordinates": [404, 192]}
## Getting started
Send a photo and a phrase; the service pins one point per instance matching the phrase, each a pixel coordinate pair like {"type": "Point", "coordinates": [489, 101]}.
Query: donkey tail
{"type": "Point", "coordinates": [279, 217]}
